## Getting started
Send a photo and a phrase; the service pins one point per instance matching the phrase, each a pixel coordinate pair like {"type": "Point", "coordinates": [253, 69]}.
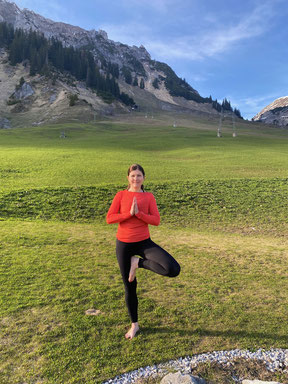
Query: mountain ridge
{"type": "Point", "coordinates": [160, 88]}
{"type": "Point", "coordinates": [275, 113]}
{"type": "Point", "coordinates": [70, 35]}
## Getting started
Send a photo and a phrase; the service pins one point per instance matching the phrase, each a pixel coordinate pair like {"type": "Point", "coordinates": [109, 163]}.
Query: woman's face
{"type": "Point", "coordinates": [135, 179]}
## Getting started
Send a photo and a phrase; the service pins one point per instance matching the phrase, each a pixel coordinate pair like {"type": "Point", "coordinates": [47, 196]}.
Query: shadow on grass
{"type": "Point", "coordinates": [214, 333]}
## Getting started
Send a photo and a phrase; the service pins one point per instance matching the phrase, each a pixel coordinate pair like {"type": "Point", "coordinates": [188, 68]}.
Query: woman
{"type": "Point", "coordinates": [133, 209]}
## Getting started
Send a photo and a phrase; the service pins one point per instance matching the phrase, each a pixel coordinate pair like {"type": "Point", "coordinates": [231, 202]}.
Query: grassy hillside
{"type": "Point", "coordinates": [98, 154]}
{"type": "Point", "coordinates": [223, 205]}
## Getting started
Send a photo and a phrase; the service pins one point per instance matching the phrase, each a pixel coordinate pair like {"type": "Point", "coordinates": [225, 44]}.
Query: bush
{"type": "Point", "coordinates": [72, 100]}
{"type": "Point", "coordinates": [12, 101]}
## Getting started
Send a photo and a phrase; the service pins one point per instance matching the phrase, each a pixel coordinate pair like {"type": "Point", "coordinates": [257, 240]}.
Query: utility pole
{"type": "Point", "coordinates": [234, 127]}
{"type": "Point", "coordinates": [219, 131]}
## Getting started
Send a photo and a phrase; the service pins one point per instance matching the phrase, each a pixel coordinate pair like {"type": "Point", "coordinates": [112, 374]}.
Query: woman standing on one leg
{"type": "Point", "coordinates": [134, 209]}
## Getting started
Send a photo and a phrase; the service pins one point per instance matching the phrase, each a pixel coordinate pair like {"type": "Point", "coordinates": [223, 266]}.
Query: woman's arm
{"type": "Point", "coordinates": [153, 217]}
{"type": "Point", "coordinates": [113, 215]}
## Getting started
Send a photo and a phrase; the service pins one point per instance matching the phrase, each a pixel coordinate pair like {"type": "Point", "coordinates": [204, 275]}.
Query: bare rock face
{"type": "Point", "coordinates": [71, 35]}
{"type": "Point", "coordinates": [274, 113]}
{"type": "Point", "coordinates": [4, 123]}
{"type": "Point", "coordinates": [23, 92]}
{"type": "Point", "coordinates": [136, 59]}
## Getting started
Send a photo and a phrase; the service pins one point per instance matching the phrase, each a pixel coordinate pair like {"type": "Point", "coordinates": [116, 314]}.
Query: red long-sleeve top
{"type": "Point", "coordinates": [133, 228]}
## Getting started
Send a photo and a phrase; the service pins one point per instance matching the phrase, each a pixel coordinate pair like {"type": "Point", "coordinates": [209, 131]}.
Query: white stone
{"type": "Point", "coordinates": [259, 382]}
{"type": "Point", "coordinates": [179, 378]}
{"type": "Point", "coordinates": [93, 312]}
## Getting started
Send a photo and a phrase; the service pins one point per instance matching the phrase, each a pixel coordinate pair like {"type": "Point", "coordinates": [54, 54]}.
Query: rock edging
{"type": "Point", "coordinates": [179, 378]}
{"type": "Point", "coordinates": [274, 359]}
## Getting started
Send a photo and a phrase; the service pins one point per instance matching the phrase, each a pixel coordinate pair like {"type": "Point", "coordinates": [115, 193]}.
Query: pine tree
{"type": "Point", "coordinates": [216, 105]}
{"type": "Point", "coordinates": [156, 83]}
{"type": "Point", "coordinates": [128, 78]}
{"type": "Point", "coordinates": [237, 113]}
{"type": "Point", "coordinates": [16, 49]}
{"type": "Point", "coordinates": [226, 105]}
{"type": "Point", "coordinates": [89, 78]}
{"type": "Point", "coordinates": [113, 69]}
{"type": "Point", "coordinates": [33, 61]}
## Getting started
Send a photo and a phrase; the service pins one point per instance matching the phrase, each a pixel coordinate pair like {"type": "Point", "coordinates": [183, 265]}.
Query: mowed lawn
{"type": "Point", "coordinates": [224, 218]}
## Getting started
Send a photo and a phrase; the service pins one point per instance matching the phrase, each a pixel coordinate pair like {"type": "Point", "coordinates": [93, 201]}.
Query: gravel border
{"type": "Point", "coordinates": [275, 359]}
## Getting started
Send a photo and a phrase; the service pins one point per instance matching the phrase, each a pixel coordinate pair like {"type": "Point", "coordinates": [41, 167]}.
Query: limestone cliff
{"type": "Point", "coordinates": [136, 59]}
{"type": "Point", "coordinates": [274, 113]}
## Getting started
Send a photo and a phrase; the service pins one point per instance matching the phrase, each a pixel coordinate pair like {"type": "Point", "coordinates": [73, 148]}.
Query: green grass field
{"type": "Point", "coordinates": [97, 154]}
{"type": "Point", "coordinates": [224, 208]}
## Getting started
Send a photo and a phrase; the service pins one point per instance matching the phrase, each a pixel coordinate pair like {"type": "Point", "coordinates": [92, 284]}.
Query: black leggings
{"type": "Point", "coordinates": [153, 257]}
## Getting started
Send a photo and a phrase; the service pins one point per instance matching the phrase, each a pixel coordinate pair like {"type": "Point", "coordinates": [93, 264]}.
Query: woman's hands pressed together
{"type": "Point", "coordinates": [134, 207]}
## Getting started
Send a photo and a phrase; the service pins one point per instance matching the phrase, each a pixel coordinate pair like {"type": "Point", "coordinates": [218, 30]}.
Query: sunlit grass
{"type": "Point", "coordinates": [232, 293]}
{"type": "Point", "coordinates": [223, 205]}
{"type": "Point", "coordinates": [98, 154]}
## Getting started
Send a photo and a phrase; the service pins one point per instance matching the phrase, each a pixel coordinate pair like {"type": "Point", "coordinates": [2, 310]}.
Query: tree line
{"type": "Point", "coordinates": [179, 87]}
{"type": "Point", "coordinates": [225, 106]}
{"type": "Point", "coordinates": [44, 55]}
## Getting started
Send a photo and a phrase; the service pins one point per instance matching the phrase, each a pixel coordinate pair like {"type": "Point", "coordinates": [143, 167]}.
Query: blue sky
{"type": "Point", "coordinates": [224, 48]}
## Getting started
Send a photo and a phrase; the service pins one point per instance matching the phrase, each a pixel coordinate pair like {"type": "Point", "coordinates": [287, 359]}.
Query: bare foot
{"type": "Point", "coordinates": [132, 331]}
{"type": "Point", "coordinates": [134, 266]}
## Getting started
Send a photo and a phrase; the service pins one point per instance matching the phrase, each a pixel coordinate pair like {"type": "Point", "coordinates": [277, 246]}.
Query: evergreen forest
{"type": "Point", "coordinates": [45, 55]}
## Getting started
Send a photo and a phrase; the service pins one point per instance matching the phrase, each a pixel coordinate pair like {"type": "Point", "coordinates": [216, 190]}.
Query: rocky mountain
{"type": "Point", "coordinates": [274, 113]}
{"type": "Point", "coordinates": [96, 41]}
{"type": "Point", "coordinates": [151, 84]}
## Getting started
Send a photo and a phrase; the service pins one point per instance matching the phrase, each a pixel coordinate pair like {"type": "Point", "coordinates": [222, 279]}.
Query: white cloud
{"type": "Point", "coordinates": [212, 39]}
{"type": "Point", "coordinates": [250, 106]}
{"type": "Point", "coordinates": [217, 41]}
{"type": "Point", "coordinates": [208, 40]}
{"type": "Point", "coordinates": [259, 102]}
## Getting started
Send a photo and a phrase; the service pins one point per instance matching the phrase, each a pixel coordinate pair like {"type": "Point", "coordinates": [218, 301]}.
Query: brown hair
{"type": "Point", "coordinates": [135, 167]}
